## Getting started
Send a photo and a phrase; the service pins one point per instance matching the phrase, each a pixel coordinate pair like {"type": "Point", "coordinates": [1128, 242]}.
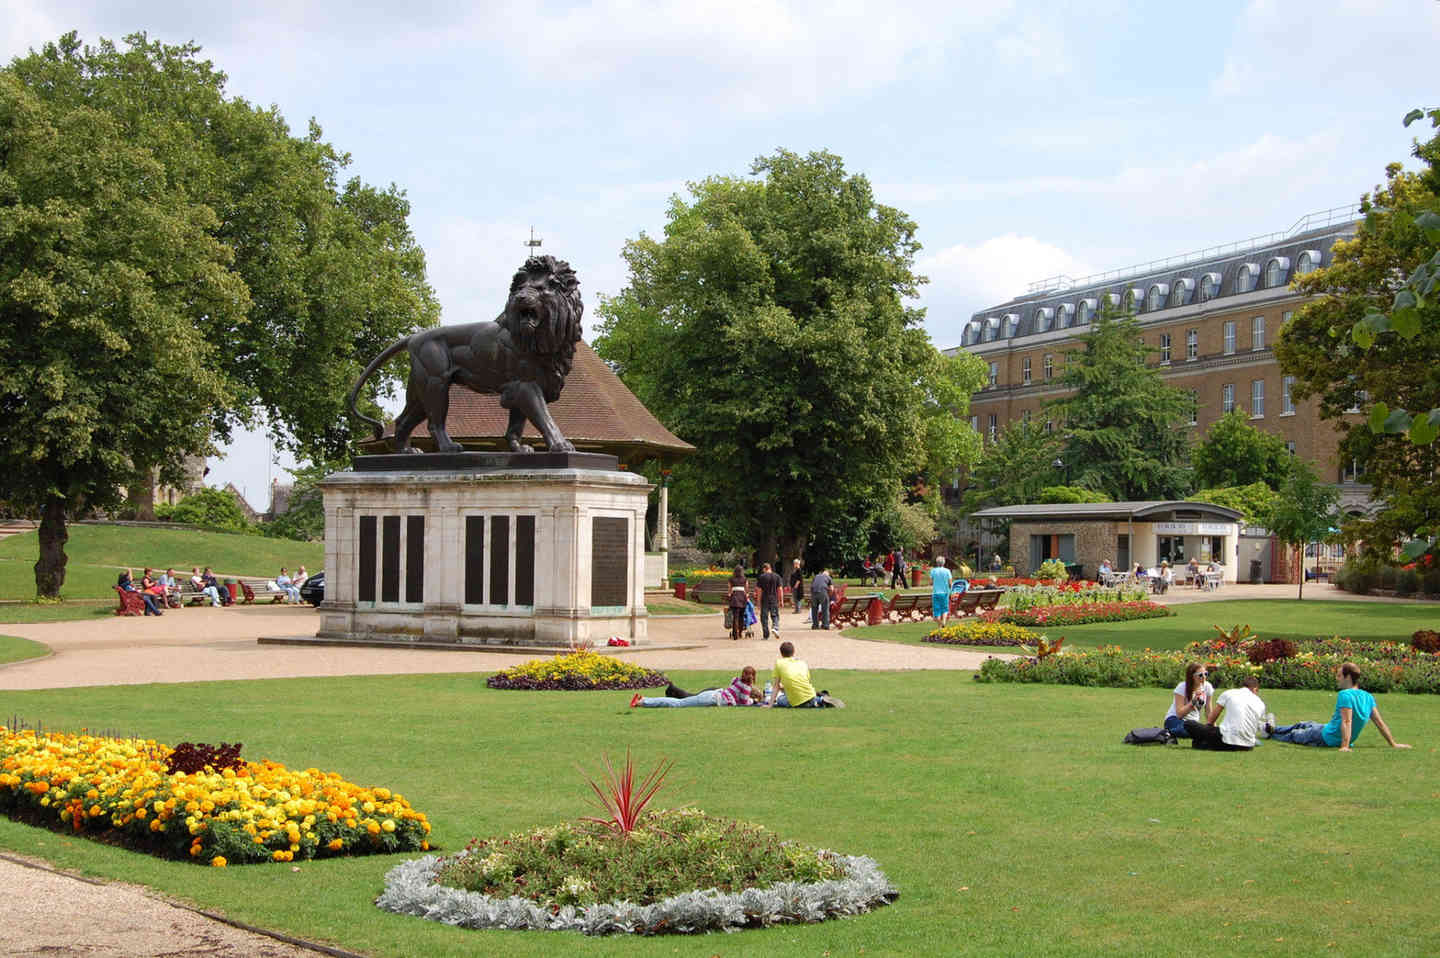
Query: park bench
{"type": "Point", "coordinates": [987, 598]}
{"type": "Point", "coordinates": [965, 603]}
{"type": "Point", "coordinates": [852, 611]}
{"type": "Point", "coordinates": [130, 603]}
{"type": "Point", "coordinates": [249, 587]}
{"type": "Point", "coordinates": [908, 607]}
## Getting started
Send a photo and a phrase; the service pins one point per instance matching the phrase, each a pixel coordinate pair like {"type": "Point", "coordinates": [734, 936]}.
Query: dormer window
{"type": "Point", "coordinates": [1134, 296]}
{"type": "Point", "coordinates": [1065, 315]}
{"type": "Point", "coordinates": [1209, 286]}
{"type": "Point", "coordinates": [1155, 299]}
{"type": "Point", "coordinates": [1085, 311]}
{"type": "Point", "coordinates": [992, 328]}
{"type": "Point", "coordinates": [1011, 325]}
{"type": "Point", "coordinates": [1245, 277]}
{"type": "Point", "coordinates": [1308, 262]}
{"type": "Point", "coordinates": [1181, 291]}
{"type": "Point", "coordinates": [1277, 271]}
{"type": "Point", "coordinates": [1044, 319]}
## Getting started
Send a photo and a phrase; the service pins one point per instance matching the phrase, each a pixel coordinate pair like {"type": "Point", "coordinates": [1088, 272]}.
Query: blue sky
{"type": "Point", "coordinates": [1026, 139]}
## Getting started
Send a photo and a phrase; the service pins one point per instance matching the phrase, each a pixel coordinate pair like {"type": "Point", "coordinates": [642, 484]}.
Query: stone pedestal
{"type": "Point", "coordinates": [488, 553]}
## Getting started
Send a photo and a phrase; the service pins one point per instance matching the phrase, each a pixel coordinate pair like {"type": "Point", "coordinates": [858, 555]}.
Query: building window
{"type": "Point", "coordinates": [1257, 399]}
{"type": "Point", "coordinates": [1025, 416]}
{"type": "Point", "coordinates": [975, 423]}
{"type": "Point", "coordinates": [1049, 366]}
{"type": "Point", "coordinates": [1350, 472]}
{"type": "Point", "coordinates": [1209, 286]}
{"type": "Point", "coordinates": [1287, 404]}
{"type": "Point", "coordinates": [1192, 345]}
{"type": "Point", "coordinates": [992, 431]}
{"type": "Point", "coordinates": [1227, 397]}
{"type": "Point", "coordinates": [1011, 325]}
{"type": "Point", "coordinates": [1134, 297]}
{"type": "Point", "coordinates": [1155, 299]}
{"type": "Point", "coordinates": [1065, 313]}
{"type": "Point", "coordinates": [1286, 316]}
{"type": "Point", "coordinates": [1084, 312]}
{"type": "Point", "coordinates": [1043, 318]}
{"type": "Point", "coordinates": [1194, 406]}
{"type": "Point", "coordinates": [1275, 271]}
{"type": "Point", "coordinates": [1049, 425]}
{"type": "Point", "coordinates": [1309, 262]}
{"type": "Point", "coordinates": [994, 373]}
{"type": "Point", "coordinates": [1229, 337]}
{"type": "Point", "coordinates": [1181, 291]}
{"type": "Point", "coordinates": [1025, 371]}
{"type": "Point", "coordinates": [1245, 278]}
{"type": "Point", "coordinates": [1257, 333]}
{"type": "Point", "coordinates": [1290, 446]}
{"type": "Point", "coordinates": [1164, 349]}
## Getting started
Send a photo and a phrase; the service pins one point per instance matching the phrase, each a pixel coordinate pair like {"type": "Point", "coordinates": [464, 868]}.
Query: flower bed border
{"type": "Point", "coordinates": [411, 889]}
{"type": "Point", "coordinates": [1086, 613]}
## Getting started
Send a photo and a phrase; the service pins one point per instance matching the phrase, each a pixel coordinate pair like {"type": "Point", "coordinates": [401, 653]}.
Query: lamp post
{"type": "Point", "coordinates": [1059, 466]}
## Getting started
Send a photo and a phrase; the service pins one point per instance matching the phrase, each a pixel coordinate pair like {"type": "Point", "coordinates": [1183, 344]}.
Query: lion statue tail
{"type": "Point", "coordinates": [375, 364]}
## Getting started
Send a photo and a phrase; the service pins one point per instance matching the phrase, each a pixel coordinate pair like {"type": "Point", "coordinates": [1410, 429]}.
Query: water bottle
{"type": "Point", "coordinates": [767, 691]}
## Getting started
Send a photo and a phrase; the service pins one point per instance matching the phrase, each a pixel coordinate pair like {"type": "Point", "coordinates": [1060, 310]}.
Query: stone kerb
{"type": "Point", "coordinates": [491, 557]}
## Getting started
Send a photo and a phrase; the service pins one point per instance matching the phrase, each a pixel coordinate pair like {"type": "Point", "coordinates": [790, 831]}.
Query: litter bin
{"type": "Point", "coordinates": [914, 577]}
{"type": "Point", "coordinates": [1256, 575]}
{"type": "Point", "coordinates": [680, 589]}
{"type": "Point", "coordinates": [875, 611]}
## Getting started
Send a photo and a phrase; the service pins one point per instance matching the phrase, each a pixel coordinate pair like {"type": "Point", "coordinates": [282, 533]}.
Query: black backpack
{"type": "Point", "coordinates": [1148, 736]}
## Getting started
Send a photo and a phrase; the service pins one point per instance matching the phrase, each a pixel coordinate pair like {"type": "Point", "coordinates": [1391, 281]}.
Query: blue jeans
{"type": "Point", "coordinates": [769, 617]}
{"type": "Point", "coordinates": [819, 610]}
{"type": "Point", "coordinates": [698, 700]}
{"type": "Point", "coordinates": [1175, 725]}
{"type": "Point", "coordinates": [782, 702]}
{"type": "Point", "coordinates": [1301, 733]}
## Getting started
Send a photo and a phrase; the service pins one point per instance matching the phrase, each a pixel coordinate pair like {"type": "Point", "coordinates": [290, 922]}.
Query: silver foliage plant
{"type": "Point", "coordinates": [411, 889]}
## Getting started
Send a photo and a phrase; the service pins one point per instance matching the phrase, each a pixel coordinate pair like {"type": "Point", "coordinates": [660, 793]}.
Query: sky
{"type": "Point", "coordinates": [1025, 139]}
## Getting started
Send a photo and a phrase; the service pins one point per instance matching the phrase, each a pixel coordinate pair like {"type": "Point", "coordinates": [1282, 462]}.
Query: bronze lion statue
{"type": "Point", "coordinates": [524, 356]}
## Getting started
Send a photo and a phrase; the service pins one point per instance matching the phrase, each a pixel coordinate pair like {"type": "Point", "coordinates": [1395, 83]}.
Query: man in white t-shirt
{"type": "Point", "coordinates": [1244, 718]}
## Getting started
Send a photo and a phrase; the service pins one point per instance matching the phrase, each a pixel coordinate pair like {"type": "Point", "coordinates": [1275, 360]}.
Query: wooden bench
{"type": "Point", "coordinates": [250, 587]}
{"type": "Point", "coordinates": [853, 611]}
{"type": "Point", "coordinates": [987, 598]}
{"type": "Point", "coordinates": [129, 603]}
{"type": "Point", "coordinates": [965, 604]}
{"type": "Point", "coordinates": [908, 607]}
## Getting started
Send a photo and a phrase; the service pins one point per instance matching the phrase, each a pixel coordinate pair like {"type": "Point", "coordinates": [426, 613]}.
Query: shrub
{"type": "Point", "coordinates": [1431, 582]}
{"type": "Point", "coordinates": [983, 633]}
{"type": "Point", "coordinates": [577, 671]}
{"type": "Point", "coordinates": [1407, 582]}
{"type": "Point", "coordinates": [1387, 576]}
{"type": "Point", "coordinates": [211, 509]}
{"type": "Point", "coordinates": [1426, 640]}
{"type": "Point", "coordinates": [1272, 650]}
{"type": "Point", "coordinates": [192, 757]}
{"type": "Point", "coordinates": [1052, 569]}
{"type": "Point", "coordinates": [1078, 614]}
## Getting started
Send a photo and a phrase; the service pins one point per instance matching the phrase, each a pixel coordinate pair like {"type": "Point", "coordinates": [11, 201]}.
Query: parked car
{"type": "Point", "coordinates": [313, 589]}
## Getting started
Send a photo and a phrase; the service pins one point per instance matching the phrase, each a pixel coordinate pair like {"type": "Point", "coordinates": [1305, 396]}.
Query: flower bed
{"type": "Point", "coordinates": [1080, 613]}
{"type": "Point", "coordinates": [982, 633]}
{"type": "Point", "coordinates": [682, 872]}
{"type": "Point", "coordinates": [577, 672]}
{"type": "Point", "coordinates": [1312, 667]}
{"type": "Point", "coordinates": [256, 811]}
{"type": "Point", "coordinates": [1029, 597]}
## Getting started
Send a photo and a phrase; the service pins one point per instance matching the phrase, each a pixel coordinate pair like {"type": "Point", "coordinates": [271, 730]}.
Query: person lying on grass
{"type": "Point", "coordinates": [740, 691]}
{"type": "Point", "coordinates": [1244, 715]}
{"type": "Point", "coordinates": [791, 687]}
{"type": "Point", "coordinates": [1354, 709]}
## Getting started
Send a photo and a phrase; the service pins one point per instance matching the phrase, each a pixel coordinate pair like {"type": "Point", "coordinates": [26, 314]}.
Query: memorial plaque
{"type": "Point", "coordinates": [474, 560]}
{"type": "Point", "coordinates": [365, 561]}
{"type": "Point", "coordinates": [415, 559]}
{"type": "Point", "coordinates": [524, 560]}
{"type": "Point", "coordinates": [609, 561]}
{"type": "Point", "coordinates": [390, 559]}
{"type": "Point", "coordinates": [499, 560]}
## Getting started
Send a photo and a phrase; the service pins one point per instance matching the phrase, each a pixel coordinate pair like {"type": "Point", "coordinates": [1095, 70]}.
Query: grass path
{"type": "Point", "coordinates": [1010, 817]}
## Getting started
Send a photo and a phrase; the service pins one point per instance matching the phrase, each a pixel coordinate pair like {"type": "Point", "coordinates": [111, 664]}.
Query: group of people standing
{"type": "Point", "coordinates": [1243, 718]}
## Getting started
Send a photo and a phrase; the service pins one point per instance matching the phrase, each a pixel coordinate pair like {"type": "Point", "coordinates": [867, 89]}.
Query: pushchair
{"type": "Point", "coordinates": [750, 619]}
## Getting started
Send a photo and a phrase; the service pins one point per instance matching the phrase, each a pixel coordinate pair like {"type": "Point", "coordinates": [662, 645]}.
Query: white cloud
{"type": "Point", "coordinates": [25, 25]}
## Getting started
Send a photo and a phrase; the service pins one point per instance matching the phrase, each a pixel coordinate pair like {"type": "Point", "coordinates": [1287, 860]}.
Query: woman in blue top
{"type": "Point", "coordinates": [940, 579]}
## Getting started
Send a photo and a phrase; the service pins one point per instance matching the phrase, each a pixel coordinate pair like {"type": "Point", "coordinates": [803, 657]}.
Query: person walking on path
{"type": "Point", "coordinates": [1354, 709]}
{"type": "Point", "coordinates": [739, 596]}
{"type": "Point", "coordinates": [797, 585]}
{"type": "Point", "coordinates": [820, 600]}
{"type": "Point", "coordinates": [940, 582]}
{"type": "Point", "coordinates": [770, 586]}
{"type": "Point", "coordinates": [897, 572]}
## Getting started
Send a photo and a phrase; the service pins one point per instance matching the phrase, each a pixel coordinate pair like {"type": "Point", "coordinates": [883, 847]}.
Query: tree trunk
{"type": "Point", "coordinates": [768, 551]}
{"type": "Point", "coordinates": [141, 495]}
{"type": "Point", "coordinates": [50, 567]}
{"type": "Point", "coordinates": [1300, 560]}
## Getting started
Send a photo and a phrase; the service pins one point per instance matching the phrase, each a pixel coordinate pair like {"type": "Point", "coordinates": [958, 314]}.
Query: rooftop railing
{"type": "Point", "coordinates": [1310, 221]}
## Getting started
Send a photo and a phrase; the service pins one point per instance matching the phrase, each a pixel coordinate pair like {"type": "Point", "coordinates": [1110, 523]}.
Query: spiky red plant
{"type": "Point", "coordinates": [620, 797]}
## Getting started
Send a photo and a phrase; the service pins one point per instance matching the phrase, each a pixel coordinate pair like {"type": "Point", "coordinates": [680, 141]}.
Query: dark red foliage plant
{"type": "Point", "coordinates": [192, 757]}
{"type": "Point", "coordinates": [1272, 650]}
{"type": "Point", "coordinates": [1426, 640]}
{"type": "Point", "coordinates": [621, 798]}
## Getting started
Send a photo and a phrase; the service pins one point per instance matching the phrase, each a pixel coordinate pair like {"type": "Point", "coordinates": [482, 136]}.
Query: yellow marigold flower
{"type": "Point", "coordinates": [367, 808]}
{"type": "Point", "coordinates": [336, 844]}
{"type": "Point", "coordinates": [219, 860]}
{"type": "Point", "coordinates": [278, 856]}
{"type": "Point", "coordinates": [388, 825]}
{"type": "Point", "coordinates": [382, 793]}
{"type": "Point", "coordinates": [424, 846]}
{"type": "Point", "coordinates": [140, 813]}
{"type": "Point", "coordinates": [372, 828]}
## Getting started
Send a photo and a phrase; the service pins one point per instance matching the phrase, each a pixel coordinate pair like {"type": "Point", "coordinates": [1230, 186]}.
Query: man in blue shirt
{"type": "Point", "coordinates": [1354, 709]}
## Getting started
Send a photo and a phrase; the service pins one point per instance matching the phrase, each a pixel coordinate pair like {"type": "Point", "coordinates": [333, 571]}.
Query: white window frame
{"type": "Point", "coordinates": [991, 428]}
{"type": "Point", "coordinates": [1227, 398]}
{"type": "Point", "coordinates": [1192, 345]}
{"type": "Point", "coordinates": [1025, 371]}
{"type": "Point", "coordinates": [1287, 401]}
{"type": "Point", "coordinates": [1246, 277]}
{"type": "Point", "coordinates": [1228, 348]}
{"type": "Point", "coordinates": [1257, 333]}
{"type": "Point", "coordinates": [1209, 287]}
{"type": "Point", "coordinates": [1049, 367]}
{"type": "Point", "coordinates": [1194, 406]}
{"type": "Point", "coordinates": [1164, 349]}
{"type": "Point", "coordinates": [1257, 399]}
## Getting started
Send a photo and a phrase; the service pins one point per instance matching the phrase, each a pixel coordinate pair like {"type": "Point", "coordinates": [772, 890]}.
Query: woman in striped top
{"type": "Point", "coordinates": [740, 691]}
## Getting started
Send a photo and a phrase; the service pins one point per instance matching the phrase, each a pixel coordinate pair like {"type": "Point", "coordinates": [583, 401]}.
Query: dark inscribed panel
{"type": "Point", "coordinates": [390, 559]}
{"type": "Point", "coordinates": [524, 560]}
{"type": "Point", "coordinates": [415, 559]}
{"type": "Point", "coordinates": [609, 561]}
{"type": "Point", "coordinates": [474, 560]}
{"type": "Point", "coordinates": [499, 560]}
{"type": "Point", "coordinates": [365, 571]}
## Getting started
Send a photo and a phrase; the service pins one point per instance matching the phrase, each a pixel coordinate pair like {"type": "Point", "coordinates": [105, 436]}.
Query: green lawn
{"type": "Point", "coordinates": [96, 552]}
{"type": "Point", "coordinates": [14, 649]}
{"type": "Point", "coordinates": [659, 606]}
{"type": "Point", "coordinates": [1272, 618]}
{"type": "Point", "coordinates": [1010, 817]}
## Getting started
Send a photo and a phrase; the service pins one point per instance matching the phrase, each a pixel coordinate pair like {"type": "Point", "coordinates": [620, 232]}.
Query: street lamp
{"type": "Point", "coordinates": [1059, 466]}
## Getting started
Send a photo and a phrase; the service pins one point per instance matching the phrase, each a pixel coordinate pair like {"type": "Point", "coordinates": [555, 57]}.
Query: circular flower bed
{"type": "Point", "coordinates": [681, 872]}
{"type": "Point", "coordinates": [1081, 613]}
{"type": "Point", "coordinates": [983, 633]}
{"type": "Point", "coordinates": [576, 672]}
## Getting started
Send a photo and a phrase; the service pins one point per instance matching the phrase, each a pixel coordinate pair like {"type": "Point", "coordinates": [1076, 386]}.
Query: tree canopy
{"type": "Point", "coordinates": [173, 263]}
{"type": "Point", "coordinates": [1235, 453]}
{"type": "Point", "coordinates": [1368, 341]}
{"type": "Point", "coordinates": [1255, 500]}
{"type": "Point", "coordinates": [1303, 512]}
{"type": "Point", "coordinates": [1124, 427]}
{"type": "Point", "coordinates": [1015, 467]}
{"type": "Point", "coordinates": [769, 328]}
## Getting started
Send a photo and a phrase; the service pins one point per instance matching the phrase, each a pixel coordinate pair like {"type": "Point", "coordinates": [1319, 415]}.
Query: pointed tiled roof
{"type": "Point", "coordinates": [595, 411]}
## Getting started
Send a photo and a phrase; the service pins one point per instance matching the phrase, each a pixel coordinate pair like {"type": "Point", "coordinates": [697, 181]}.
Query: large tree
{"type": "Point", "coordinates": [1023, 460]}
{"type": "Point", "coordinates": [320, 275]}
{"type": "Point", "coordinates": [1235, 453]}
{"type": "Point", "coordinates": [1303, 512]}
{"type": "Point", "coordinates": [1125, 429]}
{"type": "Point", "coordinates": [1369, 342]}
{"type": "Point", "coordinates": [769, 328]}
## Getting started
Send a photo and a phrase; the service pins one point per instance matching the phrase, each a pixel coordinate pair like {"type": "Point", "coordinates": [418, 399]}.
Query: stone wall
{"type": "Point", "coordinates": [1094, 541]}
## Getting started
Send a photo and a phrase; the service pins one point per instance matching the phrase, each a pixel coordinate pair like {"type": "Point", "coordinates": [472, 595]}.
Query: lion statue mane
{"type": "Point", "coordinates": [523, 356]}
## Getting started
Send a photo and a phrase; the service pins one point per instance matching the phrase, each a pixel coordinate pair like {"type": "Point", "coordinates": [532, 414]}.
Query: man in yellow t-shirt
{"type": "Point", "coordinates": [791, 687]}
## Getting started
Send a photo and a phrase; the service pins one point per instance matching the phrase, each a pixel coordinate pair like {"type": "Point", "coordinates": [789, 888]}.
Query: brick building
{"type": "Point", "coordinates": [1212, 318]}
